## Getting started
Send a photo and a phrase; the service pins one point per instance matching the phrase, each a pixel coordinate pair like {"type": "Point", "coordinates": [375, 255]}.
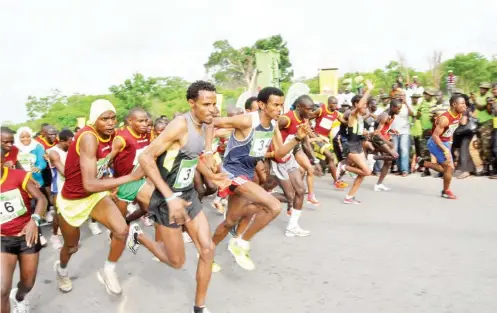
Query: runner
{"type": "Point", "coordinates": [356, 160]}
{"type": "Point", "coordinates": [440, 142]}
{"type": "Point", "coordinates": [129, 142]}
{"type": "Point", "coordinates": [325, 117]}
{"type": "Point", "coordinates": [11, 151]}
{"type": "Point", "coordinates": [57, 156]}
{"type": "Point", "coordinates": [85, 194]}
{"type": "Point", "coordinates": [287, 169]}
{"type": "Point", "coordinates": [251, 105]}
{"type": "Point", "coordinates": [170, 162]}
{"type": "Point", "coordinates": [252, 135]}
{"type": "Point", "coordinates": [382, 141]}
{"type": "Point", "coordinates": [48, 139]}
{"type": "Point", "coordinates": [19, 234]}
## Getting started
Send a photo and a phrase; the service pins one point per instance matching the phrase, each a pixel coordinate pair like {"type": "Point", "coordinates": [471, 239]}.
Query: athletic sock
{"type": "Point", "coordinates": [348, 197]}
{"type": "Point", "coordinates": [110, 266]}
{"type": "Point", "coordinates": [294, 218]}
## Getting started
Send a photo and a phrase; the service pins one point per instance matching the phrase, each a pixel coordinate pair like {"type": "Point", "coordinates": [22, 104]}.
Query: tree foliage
{"type": "Point", "coordinates": [471, 69]}
{"type": "Point", "coordinates": [233, 68]}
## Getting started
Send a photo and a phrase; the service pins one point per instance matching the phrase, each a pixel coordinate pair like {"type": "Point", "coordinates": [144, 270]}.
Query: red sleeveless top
{"type": "Point", "coordinates": [386, 127]}
{"type": "Point", "coordinates": [450, 128]}
{"type": "Point", "coordinates": [15, 202]}
{"type": "Point", "coordinates": [325, 121]}
{"type": "Point", "coordinates": [288, 133]}
{"type": "Point", "coordinates": [127, 158]}
{"type": "Point", "coordinates": [73, 186]}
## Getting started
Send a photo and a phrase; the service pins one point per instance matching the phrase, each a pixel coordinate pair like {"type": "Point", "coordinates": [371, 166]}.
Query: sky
{"type": "Point", "coordinates": [87, 46]}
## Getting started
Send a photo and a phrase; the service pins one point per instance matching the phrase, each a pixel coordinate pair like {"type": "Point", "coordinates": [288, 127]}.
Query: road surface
{"type": "Point", "coordinates": [402, 251]}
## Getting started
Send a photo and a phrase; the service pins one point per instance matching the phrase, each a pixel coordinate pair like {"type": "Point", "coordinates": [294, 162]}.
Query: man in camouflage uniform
{"type": "Point", "coordinates": [427, 112]}
{"type": "Point", "coordinates": [483, 103]}
{"type": "Point", "coordinates": [494, 132]}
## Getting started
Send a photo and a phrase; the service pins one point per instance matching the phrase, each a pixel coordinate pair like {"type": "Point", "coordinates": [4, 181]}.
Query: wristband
{"type": "Point", "coordinates": [36, 218]}
{"type": "Point", "coordinates": [171, 197]}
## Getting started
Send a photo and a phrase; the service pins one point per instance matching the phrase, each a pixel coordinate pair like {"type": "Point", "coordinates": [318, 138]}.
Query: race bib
{"type": "Point", "coordinates": [186, 172]}
{"type": "Point", "coordinates": [102, 166]}
{"type": "Point", "coordinates": [326, 123]}
{"type": "Point", "coordinates": [260, 143]}
{"type": "Point", "coordinates": [27, 161]}
{"type": "Point", "coordinates": [11, 206]}
{"type": "Point", "coordinates": [450, 131]}
{"type": "Point", "coordinates": [137, 155]}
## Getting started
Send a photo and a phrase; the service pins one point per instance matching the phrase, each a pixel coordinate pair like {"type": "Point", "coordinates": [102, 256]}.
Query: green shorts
{"type": "Point", "coordinates": [129, 191]}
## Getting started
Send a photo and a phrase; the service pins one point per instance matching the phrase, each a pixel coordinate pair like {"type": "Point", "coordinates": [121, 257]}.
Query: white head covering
{"type": "Point", "coordinates": [23, 148]}
{"type": "Point", "coordinates": [97, 108]}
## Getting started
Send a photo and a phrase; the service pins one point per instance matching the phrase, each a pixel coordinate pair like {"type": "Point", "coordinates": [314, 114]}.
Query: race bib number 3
{"type": "Point", "coordinates": [186, 173]}
{"type": "Point", "coordinates": [11, 206]}
{"type": "Point", "coordinates": [260, 143]}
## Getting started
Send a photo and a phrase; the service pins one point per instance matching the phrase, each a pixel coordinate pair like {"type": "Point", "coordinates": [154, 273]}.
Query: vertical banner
{"type": "Point", "coordinates": [81, 122]}
{"type": "Point", "coordinates": [328, 81]}
{"type": "Point", "coordinates": [219, 101]}
{"type": "Point", "coordinates": [267, 64]}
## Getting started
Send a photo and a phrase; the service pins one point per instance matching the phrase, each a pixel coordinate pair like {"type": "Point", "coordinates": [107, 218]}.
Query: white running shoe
{"type": "Point", "coordinates": [94, 228]}
{"type": "Point", "coordinates": [43, 241]}
{"type": "Point", "coordinates": [147, 222]}
{"type": "Point", "coordinates": [63, 281]}
{"type": "Point", "coordinates": [49, 215]}
{"type": "Point", "coordinates": [19, 306]}
{"type": "Point", "coordinates": [110, 280]}
{"type": "Point", "coordinates": [186, 237]}
{"type": "Point", "coordinates": [55, 241]}
{"type": "Point", "coordinates": [297, 231]}
{"type": "Point", "coordinates": [132, 207]}
{"type": "Point", "coordinates": [203, 311]}
{"type": "Point", "coordinates": [132, 243]}
{"type": "Point", "coordinates": [340, 170]}
{"type": "Point", "coordinates": [381, 187]}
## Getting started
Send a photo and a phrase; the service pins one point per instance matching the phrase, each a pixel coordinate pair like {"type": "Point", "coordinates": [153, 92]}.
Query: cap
{"type": "Point", "coordinates": [450, 71]}
{"type": "Point", "coordinates": [485, 85]}
{"type": "Point", "coordinates": [415, 95]}
{"type": "Point", "coordinates": [430, 91]}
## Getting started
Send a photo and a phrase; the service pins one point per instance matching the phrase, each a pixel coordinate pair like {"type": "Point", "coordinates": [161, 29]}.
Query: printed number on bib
{"type": "Point", "coordinates": [260, 143]}
{"type": "Point", "coordinates": [27, 161]}
{"type": "Point", "coordinates": [186, 173]}
{"type": "Point", "coordinates": [326, 123]}
{"type": "Point", "coordinates": [450, 131]}
{"type": "Point", "coordinates": [11, 206]}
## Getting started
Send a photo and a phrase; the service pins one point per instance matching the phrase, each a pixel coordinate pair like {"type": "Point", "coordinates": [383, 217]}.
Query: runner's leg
{"type": "Point", "coordinates": [28, 267]}
{"type": "Point", "coordinates": [9, 263]}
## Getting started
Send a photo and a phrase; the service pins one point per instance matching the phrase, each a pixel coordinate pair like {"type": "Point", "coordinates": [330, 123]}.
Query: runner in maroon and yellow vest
{"type": "Point", "coordinates": [19, 233]}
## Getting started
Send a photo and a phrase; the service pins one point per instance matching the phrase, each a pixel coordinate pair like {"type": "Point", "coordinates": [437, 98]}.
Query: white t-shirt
{"type": "Point", "coordinates": [401, 122]}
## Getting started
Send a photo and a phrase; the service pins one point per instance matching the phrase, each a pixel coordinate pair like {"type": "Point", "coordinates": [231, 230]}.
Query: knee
{"type": "Point", "coordinates": [177, 261]}
{"type": "Point", "coordinates": [206, 251]}
{"type": "Point", "coordinates": [120, 232]}
{"type": "Point", "coordinates": [368, 171]}
{"type": "Point", "coordinates": [275, 207]}
{"type": "Point", "coordinates": [229, 223]}
{"type": "Point", "coordinates": [299, 191]}
{"type": "Point", "coordinates": [71, 249]}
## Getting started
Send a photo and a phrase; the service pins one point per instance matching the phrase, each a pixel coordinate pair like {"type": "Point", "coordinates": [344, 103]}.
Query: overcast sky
{"type": "Point", "coordinates": [87, 46]}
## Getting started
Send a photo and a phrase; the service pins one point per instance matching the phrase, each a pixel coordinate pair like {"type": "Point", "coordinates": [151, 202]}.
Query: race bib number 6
{"type": "Point", "coordinates": [11, 206]}
{"type": "Point", "coordinates": [260, 143]}
{"type": "Point", "coordinates": [186, 173]}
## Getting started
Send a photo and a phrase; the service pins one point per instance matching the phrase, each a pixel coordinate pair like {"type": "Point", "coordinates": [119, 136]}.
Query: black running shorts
{"type": "Point", "coordinates": [159, 212]}
{"type": "Point", "coordinates": [17, 245]}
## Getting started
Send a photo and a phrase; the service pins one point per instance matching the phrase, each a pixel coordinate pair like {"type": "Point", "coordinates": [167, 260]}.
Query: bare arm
{"type": "Point", "coordinates": [280, 149]}
{"type": "Point", "coordinates": [172, 133]}
{"type": "Point", "coordinates": [56, 162]}
{"type": "Point", "coordinates": [41, 200]}
{"type": "Point", "coordinates": [88, 160]}
{"type": "Point", "coordinates": [382, 119]}
{"type": "Point", "coordinates": [237, 122]}
{"type": "Point", "coordinates": [117, 146]}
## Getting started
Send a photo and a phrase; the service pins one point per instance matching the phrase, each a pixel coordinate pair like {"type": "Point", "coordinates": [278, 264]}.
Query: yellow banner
{"type": "Point", "coordinates": [328, 81]}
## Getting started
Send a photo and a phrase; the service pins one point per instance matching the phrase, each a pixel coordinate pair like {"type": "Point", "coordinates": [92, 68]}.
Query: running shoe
{"type": "Point", "coordinates": [55, 241]}
{"type": "Point", "coordinates": [339, 184]}
{"type": "Point", "coordinates": [351, 201]}
{"type": "Point", "coordinates": [43, 241]}
{"type": "Point", "coordinates": [447, 194]}
{"type": "Point", "coordinates": [311, 198]}
{"type": "Point", "coordinates": [204, 310]}
{"type": "Point", "coordinates": [147, 221]}
{"type": "Point", "coordinates": [94, 228]}
{"type": "Point", "coordinates": [132, 241]}
{"type": "Point", "coordinates": [340, 170]}
{"type": "Point", "coordinates": [381, 187]}
{"type": "Point", "coordinates": [18, 306]}
{"type": "Point", "coordinates": [242, 256]}
{"type": "Point", "coordinates": [49, 215]}
{"type": "Point", "coordinates": [186, 237]}
{"type": "Point", "coordinates": [110, 280]}
{"type": "Point", "coordinates": [297, 231]}
{"type": "Point", "coordinates": [216, 268]}
{"type": "Point", "coordinates": [63, 281]}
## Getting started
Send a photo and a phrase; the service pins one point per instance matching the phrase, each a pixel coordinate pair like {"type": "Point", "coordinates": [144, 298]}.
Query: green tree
{"type": "Point", "coordinates": [39, 107]}
{"type": "Point", "coordinates": [232, 68]}
{"type": "Point", "coordinates": [471, 69]}
{"type": "Point", "coordinates": [136, 92]}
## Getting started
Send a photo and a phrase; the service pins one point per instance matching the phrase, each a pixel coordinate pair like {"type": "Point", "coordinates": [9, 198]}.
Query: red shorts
{"type": "Point", "coordinates": [237, 181]}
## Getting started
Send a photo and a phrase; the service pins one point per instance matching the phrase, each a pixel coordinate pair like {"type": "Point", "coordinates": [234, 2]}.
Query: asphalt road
{"type": "Point", "coordinates": [402, 251]}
